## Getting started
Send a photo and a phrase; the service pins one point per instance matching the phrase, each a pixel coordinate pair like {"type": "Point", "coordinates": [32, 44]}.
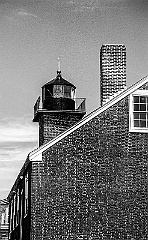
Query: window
{"type": "Point", "coordinates": [67, 92]}
{"type": "Point", "coordinates": [11, 216]}
{"type": "Point", "coordinates": [26, 194]}
{"type": "Point", "coordinates": [3, 218]}
{"type": "Point", "coordinates": [58, 91]}
{"type": "Point", "coordinates": [139, 111]}
{"type": "Point", "coordinates": [17, 207]}
{"type": "Point", "coordinates": [14, 211]}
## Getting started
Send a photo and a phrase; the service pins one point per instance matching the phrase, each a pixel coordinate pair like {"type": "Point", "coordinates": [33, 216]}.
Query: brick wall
{"type": "Point", "coordinates": [95, 181]}
{"type": "Point", "coordinates": [52, 124]}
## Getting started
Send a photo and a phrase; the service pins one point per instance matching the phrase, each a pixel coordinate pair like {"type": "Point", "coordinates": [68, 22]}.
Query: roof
{"type": "Point", "coordinates": [59, 81]}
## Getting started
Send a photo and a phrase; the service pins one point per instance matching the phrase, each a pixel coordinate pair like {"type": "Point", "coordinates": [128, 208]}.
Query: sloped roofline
{"type": "Point", "coordinates": [113, 44]}
{"type": "Point", "coordinates": [59, 81]}
{"type": "Point", "coordinates": [36, 155]}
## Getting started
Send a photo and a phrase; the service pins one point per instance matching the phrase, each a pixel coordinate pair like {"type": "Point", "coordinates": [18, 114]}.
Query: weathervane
{"type": "Point", "coordinates": [59, 65]}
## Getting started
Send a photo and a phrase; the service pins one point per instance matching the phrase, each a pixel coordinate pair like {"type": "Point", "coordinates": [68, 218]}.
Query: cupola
{"type": "Point", "coordinates": [57, 109]}
{"type": "Point", "coordinates": [58, 94]}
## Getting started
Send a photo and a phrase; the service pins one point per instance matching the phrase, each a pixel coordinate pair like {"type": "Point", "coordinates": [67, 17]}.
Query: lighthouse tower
{"type": "Point", "coordinates": [58, 108]}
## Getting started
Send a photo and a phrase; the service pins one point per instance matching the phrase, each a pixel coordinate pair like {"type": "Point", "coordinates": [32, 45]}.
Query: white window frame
{"type": "Point", "coordinates": [131, 110]}
{"type": "Point", "coordinates": [17, 207]}
{"type": "Point", "coordinates": [11, 216]}
{"type": "Point", "coordinates": [14, 211]}
{"type": "Point", "coordinates": [3, 218]}
{"type": "Point", "coordinates": [26, 196]}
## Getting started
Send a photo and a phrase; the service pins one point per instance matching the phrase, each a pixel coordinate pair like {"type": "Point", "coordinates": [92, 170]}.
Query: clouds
{"type": "Point", "coordinates": [103, 5]}
{"type": "Point", "coordinates": [92, 5]}
{"type": "Point", "coordinates": [17, 130]}
{"type": "Point", "coordinates": [23, 13]}
{"type": "Point", "coordinates": [14, 14]}
{"type": "Point", "coordinates": [17, 138]}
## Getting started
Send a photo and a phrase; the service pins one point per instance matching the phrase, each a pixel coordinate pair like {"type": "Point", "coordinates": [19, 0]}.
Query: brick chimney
{"type": "Point", "coordinates": [112, 70]}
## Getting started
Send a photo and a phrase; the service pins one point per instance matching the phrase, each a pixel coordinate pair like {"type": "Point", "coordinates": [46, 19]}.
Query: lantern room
{"type": "Point", "coordinates": [58, 94]}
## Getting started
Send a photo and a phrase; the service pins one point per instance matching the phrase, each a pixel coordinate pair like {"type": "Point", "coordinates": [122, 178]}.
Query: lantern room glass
{"type": "Point", "coordinates": [63, 91]}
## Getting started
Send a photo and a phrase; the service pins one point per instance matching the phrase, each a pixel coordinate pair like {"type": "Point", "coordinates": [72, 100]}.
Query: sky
{"type": "Point", "coordinates": [33, 34]}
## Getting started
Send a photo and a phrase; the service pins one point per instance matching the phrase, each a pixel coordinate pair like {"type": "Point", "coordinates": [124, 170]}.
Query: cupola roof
{"type": "Point", "coordinates": [59, 81]}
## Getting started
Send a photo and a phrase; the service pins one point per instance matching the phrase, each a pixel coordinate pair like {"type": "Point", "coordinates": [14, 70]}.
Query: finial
{"type": "Point", "coordinates": [59, 65]}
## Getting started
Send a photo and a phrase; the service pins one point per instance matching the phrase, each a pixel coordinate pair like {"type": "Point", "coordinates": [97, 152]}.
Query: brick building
{"type": "Point", "coordinates": [88, 178]}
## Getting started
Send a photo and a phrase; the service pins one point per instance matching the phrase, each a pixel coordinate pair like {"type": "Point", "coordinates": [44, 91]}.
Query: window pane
{"type": "Point", "coordinates": [136, 107]}
{"type": "Point", "coordinates": [57, 91]}
{"type": "Point", "coordinates": [142, 99]}
{"type": "Point", "coordinates": [142, 107]}
{"type": "Point", "coordinates": [67, 91]}
{"type": "Point", "coordinates": [136, 99]}
{"type": "Point", "coordinates": [143, 116]}
{"type": "Point", "coordinates": [136, 115]}
{"type": "Point", "coordinates": [136, 123]}
{"type": "Point", "coordinates": [142, 123]}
